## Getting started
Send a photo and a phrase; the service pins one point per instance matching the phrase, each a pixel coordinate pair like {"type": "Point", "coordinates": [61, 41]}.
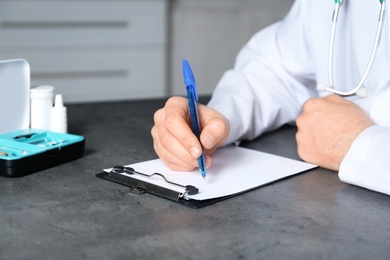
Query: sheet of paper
{"type": "Point", "coordinates": [234, 170]}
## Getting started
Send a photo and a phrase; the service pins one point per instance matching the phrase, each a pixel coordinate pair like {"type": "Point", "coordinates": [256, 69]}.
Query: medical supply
{"type": "Point", "coordinates": [359, 89]}
{"type": "Point", "coordinates": [41, 106]}
{"type": "Point", "coordinates": [58, 116]}
{"type": "Point", "coordinates": [192, 96]}
{"type": "Point", "coordinates": [31, 150]}
{"type": "Point", "coordinates": [25, 150]}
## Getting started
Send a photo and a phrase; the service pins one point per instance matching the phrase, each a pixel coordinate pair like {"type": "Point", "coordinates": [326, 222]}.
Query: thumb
{"type": "Point", "coordinates": [214, 133]}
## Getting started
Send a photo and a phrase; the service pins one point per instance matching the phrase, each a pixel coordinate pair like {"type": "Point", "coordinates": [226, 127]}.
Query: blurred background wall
{"type": "Point", "coordinates": [102, 50]}
{"type": "Point", "coordinates": [210, 34]}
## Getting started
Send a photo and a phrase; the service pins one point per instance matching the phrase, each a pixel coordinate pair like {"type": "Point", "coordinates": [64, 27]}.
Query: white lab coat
{"type": "Point", "coordinates": [279, 68]}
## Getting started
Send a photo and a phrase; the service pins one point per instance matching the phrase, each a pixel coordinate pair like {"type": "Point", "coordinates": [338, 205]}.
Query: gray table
{"type": "Point", "coordinates": [67, 213]}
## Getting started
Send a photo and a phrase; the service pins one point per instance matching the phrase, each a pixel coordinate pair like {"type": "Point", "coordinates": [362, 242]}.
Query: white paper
{"type": "Point", "coordinates": [234, 170]}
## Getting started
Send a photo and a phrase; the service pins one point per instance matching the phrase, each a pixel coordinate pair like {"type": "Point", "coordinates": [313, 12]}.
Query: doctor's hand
{"type": "Point", "coordinates": [174, 141]}
{"type": "Point", "coordinates": [326, 129]}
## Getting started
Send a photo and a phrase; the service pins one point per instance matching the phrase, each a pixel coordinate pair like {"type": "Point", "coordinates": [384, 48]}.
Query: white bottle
{"type": "Point", "coordinates": [59, 122]}
{"type": "Point", "coordinates": [41, 104]}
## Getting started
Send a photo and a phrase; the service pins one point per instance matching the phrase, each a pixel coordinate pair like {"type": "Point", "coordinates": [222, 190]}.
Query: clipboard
{"type": "Point", "coordinates": [235, 170]}
{"type": "Point", "coordinates": [139, 187]}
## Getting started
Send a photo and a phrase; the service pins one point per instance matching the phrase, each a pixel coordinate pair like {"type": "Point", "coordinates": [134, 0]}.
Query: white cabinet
{"type": "Point", "coordinates": [90, 50]}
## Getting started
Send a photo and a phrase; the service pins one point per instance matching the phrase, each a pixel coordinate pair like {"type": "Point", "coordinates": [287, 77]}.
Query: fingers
{"type": "Point", "coordinates": [171, 160]}
{"type": "Point", "coordinates": [176, 122]}
{"type": "Point", "coordinates": [166, 143]}
{"type": "Point", "coordinates": [174, 141]}
{"type": "Point", "coordinates": [214, 133]}
{"type": "Point", "coordinates": [327, 128]}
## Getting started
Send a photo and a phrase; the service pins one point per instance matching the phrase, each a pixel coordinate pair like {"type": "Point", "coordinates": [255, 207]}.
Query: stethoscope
{"type": "Point", "coordinates": [359, 90]}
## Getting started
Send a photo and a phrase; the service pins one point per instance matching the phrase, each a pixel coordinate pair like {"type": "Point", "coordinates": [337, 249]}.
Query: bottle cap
{"type": "Point", "coordinates": [58, 116]}
{"type": "Point", "coordinates": [43, 91]}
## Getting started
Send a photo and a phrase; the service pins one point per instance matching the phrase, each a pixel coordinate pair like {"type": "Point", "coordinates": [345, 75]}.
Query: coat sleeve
{"type": "Point", "coordinates": [367, 162]}
{"type": "Point", "coordinates": [272, 77]}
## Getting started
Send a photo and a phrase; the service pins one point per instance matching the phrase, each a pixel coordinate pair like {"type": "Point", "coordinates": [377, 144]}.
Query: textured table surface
{"type": "Point", "coordinates": [65, 212]}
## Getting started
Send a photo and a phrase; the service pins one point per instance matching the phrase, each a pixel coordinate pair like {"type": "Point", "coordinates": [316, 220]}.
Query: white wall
{"type": "Point", "coordinates": [209, 33]}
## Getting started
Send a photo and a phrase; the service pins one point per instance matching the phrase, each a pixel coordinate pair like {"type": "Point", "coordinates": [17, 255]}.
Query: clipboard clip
{"type": "Point", "coordinates": [139, 185]}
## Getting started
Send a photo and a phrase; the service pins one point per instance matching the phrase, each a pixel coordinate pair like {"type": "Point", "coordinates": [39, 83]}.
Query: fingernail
{"type": "Point", "coordinates": [208, 141]}
{"type": "Point", "coordinates": [195, 152]}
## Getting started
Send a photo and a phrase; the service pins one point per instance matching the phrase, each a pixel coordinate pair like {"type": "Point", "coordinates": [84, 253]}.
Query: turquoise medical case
{"type": "Point", "coordinates": [26, 151]}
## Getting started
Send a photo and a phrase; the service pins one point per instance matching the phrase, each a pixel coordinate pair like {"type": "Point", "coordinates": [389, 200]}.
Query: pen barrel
{"type": "Point", "coordinates": [193, 111]}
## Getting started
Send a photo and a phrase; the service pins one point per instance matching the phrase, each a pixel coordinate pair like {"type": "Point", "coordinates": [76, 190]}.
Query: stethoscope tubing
{"type": "Point", "coordinates": [355, 90]}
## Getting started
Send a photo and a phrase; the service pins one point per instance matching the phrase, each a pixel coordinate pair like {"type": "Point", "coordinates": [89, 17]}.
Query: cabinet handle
{"type": "Point", "coordinates": [81, 74]}
{"type": "Point", "coordinates": [64, 24]}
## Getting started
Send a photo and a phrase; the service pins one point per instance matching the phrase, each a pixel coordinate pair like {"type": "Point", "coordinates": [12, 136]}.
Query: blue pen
{"type": "Point", "coordinates": [192, 96]}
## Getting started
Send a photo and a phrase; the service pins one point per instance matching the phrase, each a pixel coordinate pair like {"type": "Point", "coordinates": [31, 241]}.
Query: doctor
{"type": "Point", "coordinates": [280, 76]}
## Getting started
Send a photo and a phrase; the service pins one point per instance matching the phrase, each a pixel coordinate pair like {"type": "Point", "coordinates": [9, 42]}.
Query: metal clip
{"type": "Point", "coordinates": [189, 189]}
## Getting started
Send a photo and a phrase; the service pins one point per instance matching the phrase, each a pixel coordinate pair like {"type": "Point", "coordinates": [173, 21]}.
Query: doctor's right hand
{"type": "Point", "coordinates": [174, 141]}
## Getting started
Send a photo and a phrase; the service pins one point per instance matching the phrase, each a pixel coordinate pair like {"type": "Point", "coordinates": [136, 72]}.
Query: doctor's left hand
{"type": "Point", "coordinates": [326, 129]}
